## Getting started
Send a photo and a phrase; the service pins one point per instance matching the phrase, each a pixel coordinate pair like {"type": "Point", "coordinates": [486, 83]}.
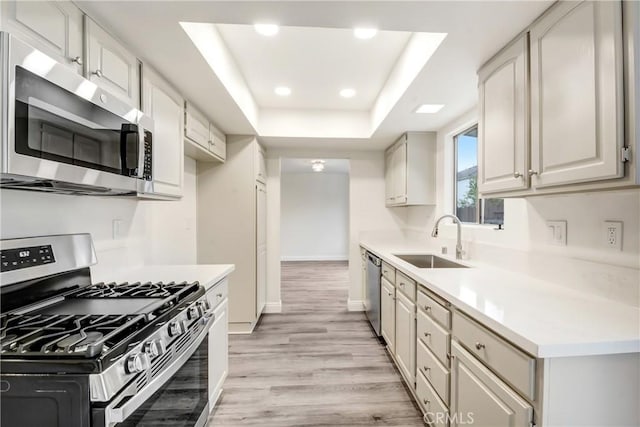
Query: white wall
{"type": "Point", "coordinates": [151, 231]}
{"type": "Point", "coordinates": [367, 212]}
{"type": "Point", "coordinates": [314, 211]}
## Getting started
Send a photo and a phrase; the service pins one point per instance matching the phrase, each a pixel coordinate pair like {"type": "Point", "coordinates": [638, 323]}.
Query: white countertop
{"type": "Point", "coordinates": [545, 319]}
{"type": "Point", "coordinates": [207, 274]}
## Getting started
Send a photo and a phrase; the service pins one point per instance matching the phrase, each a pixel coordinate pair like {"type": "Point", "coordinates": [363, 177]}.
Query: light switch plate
{"type": "Point", "coordinates": [557, 232]}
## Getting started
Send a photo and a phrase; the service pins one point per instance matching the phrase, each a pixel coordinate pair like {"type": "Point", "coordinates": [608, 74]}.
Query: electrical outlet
{"type": "Point", "coordinates": [613, 235]}
{"type": "Point", "coordinates": [558, 232]}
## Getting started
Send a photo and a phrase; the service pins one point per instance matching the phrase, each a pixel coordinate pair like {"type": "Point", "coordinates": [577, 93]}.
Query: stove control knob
{"type": "Point", "coordinates": [135, 363]}
{"type": "Point", "coordinates": [154, 348]}
{"type": "Point", "coordinates": [193, 312]}
{"type": "Point", "coordinates": [202, 308]}
{"type": "Point", "coordinates": [176, 328]}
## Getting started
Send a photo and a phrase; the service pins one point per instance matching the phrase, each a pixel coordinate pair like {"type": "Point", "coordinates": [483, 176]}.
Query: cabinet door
{"type": "Point", "coordinates": [54, 27]}
{"type": "Point", "coordinates": [406, 336]}
{"type": "Point", "coordinates": [166, 108]}
{"type": "Point", "coordinates": [477, 393]}
{"type": "Point", "coordinates": [110, 65]}
{"type": "Point", "coordinates": [388, 314]}
{"type": "Point", "coordinates": [196, 127]}
{"type": "Point", "coordinates": [261, 166]}
{"type": "Point", "coordinates": [261, 247]}
{"type": "Point", "coordinates": [576, 94]}
{"type": "Point", "coordinates": [217, 142]}
{"type": "Point", "coordinates": [389, 187]}
{"type": "Point", "coordinates": [400, 173]}
{"type": "Point", "coordinates": [218, 351]}
{"type": "Point", "coordinates": [503, 142]}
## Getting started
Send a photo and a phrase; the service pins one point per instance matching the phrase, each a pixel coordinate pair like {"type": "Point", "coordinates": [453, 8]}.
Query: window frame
{"type": "Point", "coordinates": [480, 202]}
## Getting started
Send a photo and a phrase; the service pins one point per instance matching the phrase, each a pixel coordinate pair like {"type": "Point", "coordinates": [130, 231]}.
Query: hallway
{"type": "Point", "coordinates": [316, 364]}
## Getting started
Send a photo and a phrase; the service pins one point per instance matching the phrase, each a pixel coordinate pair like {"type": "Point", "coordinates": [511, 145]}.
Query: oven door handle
{"type": "Point", "coordinates": [116, 413]}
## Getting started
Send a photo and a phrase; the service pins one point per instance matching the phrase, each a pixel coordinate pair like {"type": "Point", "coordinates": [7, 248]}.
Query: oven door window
{"type": "Point", "coordinates": [55, 124]}
{"type": "Point", "coordinates": [182, 401]}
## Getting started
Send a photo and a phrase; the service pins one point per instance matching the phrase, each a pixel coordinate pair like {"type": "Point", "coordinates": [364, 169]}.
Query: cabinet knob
{"type": "Point", "coordinates": [401, 284]}
{"type": "Point", "coordinates": [427, 334]}
{"type": "Point", "coordinates": [98, 73]}
{"type": "Point", "coordinates": [390, 294]}
{"type": "Point", "coordinates": [219, 295]}
{"type": "Point", "coordinates": [427, 307]}
{"type": "Point", "coordinates": [517, 175]}
{"type": "Point", "coordinates": [77, 60]}
{"type": "Point", "coordinates": [532, 172]}
{"type": "Point", "coordinates": [479, 346]}
{"type": "Point", "coordinates": [426, 401]}
{"type": "Point", "coordinates": [426, 369]}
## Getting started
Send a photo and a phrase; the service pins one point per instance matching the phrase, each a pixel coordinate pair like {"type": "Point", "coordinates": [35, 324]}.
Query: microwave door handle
{"type": "Point", "coordinates": [125, 140]}
{"type": "Point", "coordinates": [141, 152]}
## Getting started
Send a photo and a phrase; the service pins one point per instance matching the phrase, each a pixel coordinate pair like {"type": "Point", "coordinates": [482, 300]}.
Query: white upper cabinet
{"type": "Point", "coordinates": [410, 170]}
{"type": "Point", "coordinates": [575, 113]}
{"type": "Point", "coordinates": [165, 106]}
{"type": "Point", "coordinates": [110, 65]}
{"type": "Point", "coordinates": [503, 131]}
{"type": "Point", "coordinates": [203, 140]}
{"type": "Point", "coordinates": [53, 27]}
{"type": "Point", "coordinates": [577, 94]}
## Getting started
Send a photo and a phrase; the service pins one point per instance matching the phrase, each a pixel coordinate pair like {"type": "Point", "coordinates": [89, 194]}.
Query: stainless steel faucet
{"type": "Point", "coordinates": [455, 219]}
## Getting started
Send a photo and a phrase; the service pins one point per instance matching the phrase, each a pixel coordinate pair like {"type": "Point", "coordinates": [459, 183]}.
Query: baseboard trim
{"type": "Point", "coordinates": [355, 305]}
{"type": "Point", "coordinates": [241, 328]}
{"type": "Point", "coordinates": [315, 258]}
{"type": "Point", "coordinates": [272, 307]}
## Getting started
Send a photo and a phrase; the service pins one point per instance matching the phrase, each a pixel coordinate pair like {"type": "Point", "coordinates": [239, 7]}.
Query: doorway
{"type": "Point", "coordinates": [314, 233]}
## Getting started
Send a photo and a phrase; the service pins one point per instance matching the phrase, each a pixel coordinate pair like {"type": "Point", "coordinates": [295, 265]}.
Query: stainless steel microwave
{"type": "Point", "coordinates": [62, 133]}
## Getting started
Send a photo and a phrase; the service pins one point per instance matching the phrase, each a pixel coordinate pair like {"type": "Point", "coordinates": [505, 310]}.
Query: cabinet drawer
{"type": "Point", "coordinates": [434, 309]}
{"type": "Point", "coordinates": [389, 272]}
{"type": "Point", "coordinates": [433, 371]}
{"type": "Point", "coordinates": [430, 402]}
{"type": "Point", "coordinates": [218, 292]}
{"type": "Point", "coordinates": [406, 285]}
{"type": "Point", "coordinates": [509, 362]}
{"type": "Point", "coordinates": [434, 336]}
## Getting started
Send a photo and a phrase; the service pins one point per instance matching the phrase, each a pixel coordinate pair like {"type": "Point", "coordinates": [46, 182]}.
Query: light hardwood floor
{"type": "Point", "coordinates": [316, 364]}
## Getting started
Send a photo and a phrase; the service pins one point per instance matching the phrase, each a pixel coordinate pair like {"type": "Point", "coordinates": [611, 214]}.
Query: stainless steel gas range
{"type": "Point", "coordinates": [78, 354]}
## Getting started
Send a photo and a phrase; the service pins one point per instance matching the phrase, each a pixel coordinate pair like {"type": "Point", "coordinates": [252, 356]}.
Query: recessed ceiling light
{"type": "Point", "coordinates": [348, 93]}
{"type": "Point", "coordinates": [267, 29]}
{"type": "Point", "coordinates": [282, 91]}
{"type": "Point", "coordinates": [365, 33]}
{"type": "Point", "coordinates": [317, 165]}
{"type": "Point", "coordinates": [429, 108]}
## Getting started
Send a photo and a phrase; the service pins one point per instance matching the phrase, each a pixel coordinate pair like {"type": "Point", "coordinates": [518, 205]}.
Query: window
{"type": "Point", "coordinates": [467, 205]}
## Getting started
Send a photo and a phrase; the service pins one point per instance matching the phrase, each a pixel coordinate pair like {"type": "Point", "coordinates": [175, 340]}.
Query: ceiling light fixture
{"type": "Point", "coordinates": [348, 93]}
{"type": "Point", "coordinates": [268, 30]}
{"type": "Point", "coordinates": [317, 165]}
{"type": "Point", "coordinates": [429, 108]}
{"type": "Point", "coordinates": [365, 33]}
{"type": "Point", "coordinates": [282, 91]}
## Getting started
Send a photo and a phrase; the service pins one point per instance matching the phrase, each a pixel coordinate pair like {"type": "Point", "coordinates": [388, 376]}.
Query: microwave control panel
{"type": "Point", "coordinates": [16, 259]}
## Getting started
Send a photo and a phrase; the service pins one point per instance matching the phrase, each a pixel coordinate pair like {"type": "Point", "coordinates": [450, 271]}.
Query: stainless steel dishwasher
{"type": "Point", "coordinates": [372, 291]}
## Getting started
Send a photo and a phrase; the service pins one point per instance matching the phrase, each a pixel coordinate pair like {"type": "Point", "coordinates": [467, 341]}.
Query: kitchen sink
{"type": "Point", "coordinates": [429, 261]}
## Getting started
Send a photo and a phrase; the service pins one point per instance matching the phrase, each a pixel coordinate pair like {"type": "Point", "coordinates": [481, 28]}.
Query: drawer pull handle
{"type": "Point", "coordinates": [427, 307]}
{"type": "Point", "coordinates": [427, 334]}
{"type": "Point", "coordinates": [450, 356]}
{"type": "Point", "coordinates": [479, 346]}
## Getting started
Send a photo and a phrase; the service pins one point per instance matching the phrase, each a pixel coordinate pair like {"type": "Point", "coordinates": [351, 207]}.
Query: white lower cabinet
{"type": "Point", "coordinates": [406, 336]}
{"type": "Point", "coordinates": [218, 348]}
{"type": "Point", "coordinates": [388, 314]}
{"type": "Point", "coordinates": [480, 398]}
